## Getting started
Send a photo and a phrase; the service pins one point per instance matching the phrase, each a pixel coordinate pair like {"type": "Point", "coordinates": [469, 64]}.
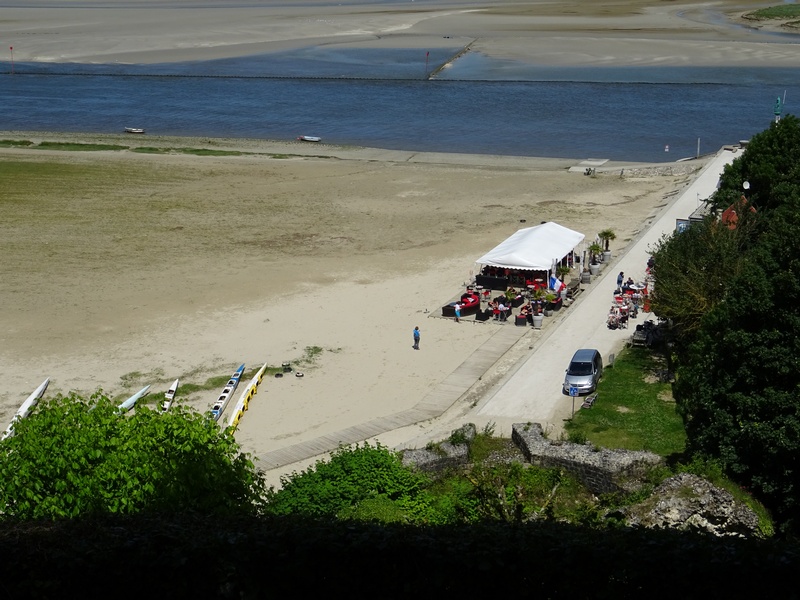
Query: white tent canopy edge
{"type": "Point", "coordinates": [533, 248]}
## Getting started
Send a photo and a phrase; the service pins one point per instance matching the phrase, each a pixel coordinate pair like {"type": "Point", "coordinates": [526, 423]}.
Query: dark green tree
{"type": "Point", "coordinates": [734, 294]}
{"type": "Point", "coordinates": [769, 165]}
{"type": "Point", "coordinates": [73, 458]}
{"type": "Point", "coordinates": [738, 382]}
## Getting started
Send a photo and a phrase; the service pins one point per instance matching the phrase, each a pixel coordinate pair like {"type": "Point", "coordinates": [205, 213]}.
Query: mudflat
{"type": "Point", "coordinates": [576, 32]}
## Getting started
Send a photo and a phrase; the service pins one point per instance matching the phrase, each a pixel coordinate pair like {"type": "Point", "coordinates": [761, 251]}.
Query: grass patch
{"type": "Point", "coordinates": [311, 354]}
{"type": "Point", "coordinates": [208, 152]}
{"type": "Point", "coordinates": [151, 150]}
{"type": "Point", "coordinates": [782, 12]}
{"type": "Point", "coordinates": [631, 411]}
{"type": "Point", "coordinates": [192, 151]}
{"type": "Point", "coordinates": [15, 143]}
{"type": "Point", "coordinates": [79, 147]}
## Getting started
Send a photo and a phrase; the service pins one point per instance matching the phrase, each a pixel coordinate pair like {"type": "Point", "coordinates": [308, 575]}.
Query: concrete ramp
{"type": "Point", "coordinates": [588, 165]}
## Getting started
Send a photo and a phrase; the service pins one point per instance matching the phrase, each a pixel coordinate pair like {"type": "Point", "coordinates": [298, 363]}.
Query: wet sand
{"type": "Point", "coordinates": [577, 33]}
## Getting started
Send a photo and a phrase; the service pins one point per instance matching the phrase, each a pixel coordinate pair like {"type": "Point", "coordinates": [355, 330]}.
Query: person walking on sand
{"type": "Point", "coordinates": [416, 338]}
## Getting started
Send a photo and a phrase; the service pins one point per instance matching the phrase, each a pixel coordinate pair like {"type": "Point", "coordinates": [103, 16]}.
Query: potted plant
{"type": "Point", "coordinates": [550, 298]}
{"type": "Point", "coordinates": [606, 236]}
{"type": "Point", "coordinates": [538, 299]}
{"type": "Point", "coordinates": [594, 252]}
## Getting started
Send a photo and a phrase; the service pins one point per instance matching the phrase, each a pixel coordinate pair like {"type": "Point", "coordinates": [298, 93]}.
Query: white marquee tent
{"type": "Point", "coordinates": [533, 248]}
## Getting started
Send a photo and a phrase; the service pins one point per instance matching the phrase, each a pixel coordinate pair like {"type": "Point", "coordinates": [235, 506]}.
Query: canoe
{"type": "Point", "coordinates": [243, 403]}
{"type": "Point", "coordinates": [169, 396]}
{"type": "Point", "coordinates": [26, 407]}
{"type": "Point", "coordinates": [225, 396]}
{"type": "Point", "coordinates": [309, 138]}
{"type": "Point", "coordinates": [128, 404]}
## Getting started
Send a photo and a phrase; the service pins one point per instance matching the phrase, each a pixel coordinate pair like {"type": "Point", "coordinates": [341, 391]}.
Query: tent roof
{"type": "Point", "coordinates": [533, 248]}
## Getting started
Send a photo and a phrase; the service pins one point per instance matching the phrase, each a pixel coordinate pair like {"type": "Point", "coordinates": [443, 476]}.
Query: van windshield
{"type": "Point", "coordinates": [580, 368]}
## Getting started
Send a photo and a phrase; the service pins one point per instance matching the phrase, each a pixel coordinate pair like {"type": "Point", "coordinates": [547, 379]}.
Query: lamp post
{"type": "Point", "coordinates": [11, 48]}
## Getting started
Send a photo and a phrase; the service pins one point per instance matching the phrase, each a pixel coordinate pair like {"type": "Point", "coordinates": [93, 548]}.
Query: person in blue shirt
{"type": "Point", "coordinates": [416, 338]}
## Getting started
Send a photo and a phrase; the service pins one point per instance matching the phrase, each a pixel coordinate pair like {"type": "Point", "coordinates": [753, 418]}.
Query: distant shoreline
{"type": "Point", "coordinates": [280, 149]}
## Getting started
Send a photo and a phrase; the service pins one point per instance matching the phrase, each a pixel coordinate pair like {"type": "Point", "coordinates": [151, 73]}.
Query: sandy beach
{"type": "Point", "coordinates": [122, 269]}
{"type": "Point", "coordinates": [197, 264]}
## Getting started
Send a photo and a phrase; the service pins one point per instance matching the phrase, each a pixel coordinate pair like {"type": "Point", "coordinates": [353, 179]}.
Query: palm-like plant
{"type": "Point", "coordinates": [538, 298]}
{"type": "Point", "coordinates": [595, 250]}
{"type": "Point", "coordinates": [606, 236]}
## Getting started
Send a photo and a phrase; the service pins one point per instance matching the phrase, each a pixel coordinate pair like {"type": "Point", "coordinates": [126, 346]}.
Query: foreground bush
{"type": "Point", "coordinates": [74, 457]}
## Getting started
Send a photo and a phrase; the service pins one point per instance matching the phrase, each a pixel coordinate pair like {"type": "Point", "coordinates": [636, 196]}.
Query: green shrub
{"type": "Point", "coordinates": [338, 486]}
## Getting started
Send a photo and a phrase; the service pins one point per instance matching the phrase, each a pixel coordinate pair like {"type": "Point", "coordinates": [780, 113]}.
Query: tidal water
{"type": "Point", "coordinates": [385, 100]}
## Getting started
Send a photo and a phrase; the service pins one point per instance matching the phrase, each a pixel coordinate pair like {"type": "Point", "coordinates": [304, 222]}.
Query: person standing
{"type": "Point", "coordinates": [620, 279]}
{"type": "Point", "coordinates": [416, 338]}
{"type": "Point", "coordinates": [458, 312]}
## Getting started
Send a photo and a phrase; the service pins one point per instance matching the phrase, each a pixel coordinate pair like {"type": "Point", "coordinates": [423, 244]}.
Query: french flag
{"type": "Point", "coordinates": [556, 284]}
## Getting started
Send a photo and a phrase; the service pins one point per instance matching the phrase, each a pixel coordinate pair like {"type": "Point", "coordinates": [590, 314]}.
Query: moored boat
{"type": "Point", "coordinates": [169, 396]}
{"type": "Point", "coordinates": [26, 407]}
{"type": "Point", "coordinates": [219, 406]}
{"type": "Point", "coordinates": [134, 130]}
{"type": "Point", "coordinates": [129, 403]}
{"type": "Point", "coordinates": [309, 138]}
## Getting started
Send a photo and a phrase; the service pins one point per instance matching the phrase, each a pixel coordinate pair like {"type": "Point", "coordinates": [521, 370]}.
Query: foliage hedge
{"type": "Point", "coordinates": [191, 556]}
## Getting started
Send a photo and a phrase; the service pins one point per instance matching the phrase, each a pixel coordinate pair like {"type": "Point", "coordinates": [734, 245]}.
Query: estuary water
{"type": "Point", "coordinates": [386, 100]}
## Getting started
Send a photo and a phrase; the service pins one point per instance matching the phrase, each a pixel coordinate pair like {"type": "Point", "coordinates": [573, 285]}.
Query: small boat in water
{"type": "Point", "coordinates": [309, 138]}
{"type": "Point", "coordinates": [219, 406]}
{"type": "Point", "coordinates": [134, 130]}
{"type": "Point", "coordinates": [128, 404]}
{"type": "Point", "coordinates": [169, 396]}
{"type": "Point", "coordinates": [26, 407]}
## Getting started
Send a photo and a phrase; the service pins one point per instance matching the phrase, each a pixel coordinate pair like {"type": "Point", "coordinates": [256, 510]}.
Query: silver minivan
{"type": "Point", "coordinates": [584, 371]}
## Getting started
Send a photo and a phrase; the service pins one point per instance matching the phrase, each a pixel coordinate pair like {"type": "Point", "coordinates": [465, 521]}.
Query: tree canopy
{"type": "Point", "coordinates": [72, 457]}
{"type": "Point", "coordinates": [734, 295]}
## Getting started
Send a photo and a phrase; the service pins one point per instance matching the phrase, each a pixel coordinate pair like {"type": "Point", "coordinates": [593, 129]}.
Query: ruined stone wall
{"type": "Point", "coordinates": [599, 469]}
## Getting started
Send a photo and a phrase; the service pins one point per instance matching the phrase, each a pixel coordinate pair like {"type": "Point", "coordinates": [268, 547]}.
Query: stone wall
{"type": "Point", "coordinates": [599, 469]}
